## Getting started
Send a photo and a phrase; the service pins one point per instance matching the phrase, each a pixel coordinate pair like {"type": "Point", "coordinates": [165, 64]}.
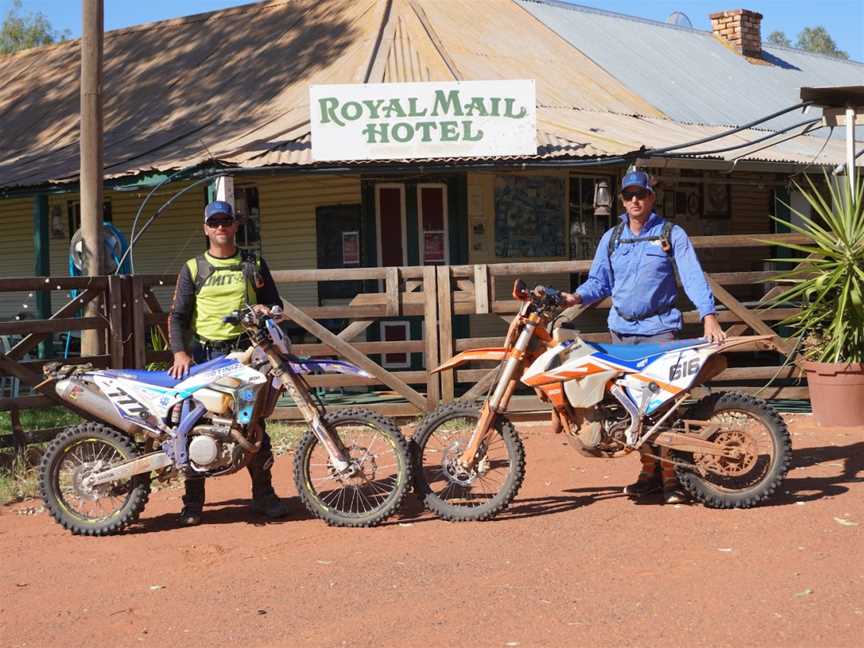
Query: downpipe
{"type": "Point", "coordinates": [632, 410]}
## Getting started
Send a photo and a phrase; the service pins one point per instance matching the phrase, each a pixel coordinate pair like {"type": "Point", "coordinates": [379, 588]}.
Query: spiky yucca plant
{"type": "Point", "coordinates": [829, 283]}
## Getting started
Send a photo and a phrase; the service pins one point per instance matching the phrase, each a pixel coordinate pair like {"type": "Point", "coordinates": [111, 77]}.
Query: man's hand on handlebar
{"type": "Point", "coordinates": [570, 299]}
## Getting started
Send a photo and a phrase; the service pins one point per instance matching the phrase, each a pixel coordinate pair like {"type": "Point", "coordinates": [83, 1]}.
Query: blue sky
{"type": "Point", "coordinates": [844, 19]}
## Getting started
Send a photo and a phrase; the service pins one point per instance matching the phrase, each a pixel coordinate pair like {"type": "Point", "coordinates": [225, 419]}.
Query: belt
{"type": "Point", "coordinates": [662, 310]}
{"type": "Point", "coordinates": [220, 345]}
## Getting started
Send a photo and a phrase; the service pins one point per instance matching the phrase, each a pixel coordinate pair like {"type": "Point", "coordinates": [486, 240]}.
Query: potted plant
{"type": "Point", "coordinates": [828, 285]}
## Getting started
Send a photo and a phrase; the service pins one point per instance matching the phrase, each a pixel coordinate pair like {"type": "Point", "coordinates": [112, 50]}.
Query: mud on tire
{"type": "Point", "coordinates": [68, 458]}
{"type": "Point", "coordinates": [428, 466]}
{"type": "Point", "coordinates": [384, 493]}
{"type": "Point", "coordinates": [757, 484]}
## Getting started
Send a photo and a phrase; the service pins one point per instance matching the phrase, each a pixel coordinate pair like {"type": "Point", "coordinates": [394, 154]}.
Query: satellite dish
{"type": "Point", "coordinates": [679, 18]}
{"type": "Point", "coordinates": [114, 246]}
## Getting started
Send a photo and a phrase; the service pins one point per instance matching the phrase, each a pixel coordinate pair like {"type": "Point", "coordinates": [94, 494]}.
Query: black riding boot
{"type": "Point", "coordinates": [264, 498]}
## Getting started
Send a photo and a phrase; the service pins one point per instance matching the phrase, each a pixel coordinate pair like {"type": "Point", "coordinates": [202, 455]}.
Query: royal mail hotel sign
{"type": "Point", "coordinates": [396, 121]}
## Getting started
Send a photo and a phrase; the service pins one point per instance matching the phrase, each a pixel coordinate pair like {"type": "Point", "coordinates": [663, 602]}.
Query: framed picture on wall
{"type": "Point", "coordinates": [716, 200]}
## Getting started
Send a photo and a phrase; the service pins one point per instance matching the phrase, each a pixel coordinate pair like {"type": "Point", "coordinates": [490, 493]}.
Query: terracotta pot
{"type": "Point", "coordinates": [836, 392]}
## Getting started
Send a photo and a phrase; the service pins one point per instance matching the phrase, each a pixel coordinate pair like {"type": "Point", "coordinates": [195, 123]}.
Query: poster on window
{"type": "Point", "coordinates": [433, 247]}
{"type": "Point", "coordinates": [529, 216]}
{"type": "Point", "coordinates": [351, 248]}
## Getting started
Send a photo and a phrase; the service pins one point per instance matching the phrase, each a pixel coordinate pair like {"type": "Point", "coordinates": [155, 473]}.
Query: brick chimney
{"type": "Point", "coordinates": [740, 29]}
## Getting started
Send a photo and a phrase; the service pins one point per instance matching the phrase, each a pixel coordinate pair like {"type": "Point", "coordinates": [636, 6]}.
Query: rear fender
{"type": "Point", "coordinates": [495, 354]}
{"type": "Point", "coordinates": [326, 367]}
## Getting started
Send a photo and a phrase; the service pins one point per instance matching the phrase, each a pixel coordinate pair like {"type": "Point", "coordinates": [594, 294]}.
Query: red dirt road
{"type": "Point", "coordinates": [572, 563]}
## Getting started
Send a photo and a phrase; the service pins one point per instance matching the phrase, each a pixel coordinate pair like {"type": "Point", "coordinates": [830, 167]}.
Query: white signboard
{"type": "Point", "coordinates": [382, 121]}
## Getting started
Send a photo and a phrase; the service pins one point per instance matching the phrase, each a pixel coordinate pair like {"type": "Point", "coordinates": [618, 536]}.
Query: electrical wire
{"type": "Point", "coordinates": [805, 123]}
{"type": "Point", "coordinates": [737, 129]}
{"type": "Point", "coordinates": [161, 209]}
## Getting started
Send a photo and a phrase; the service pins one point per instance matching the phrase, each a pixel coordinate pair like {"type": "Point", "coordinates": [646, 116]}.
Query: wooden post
{"type": "Point", "coordinates": [445, 330]}
{"type": "Point", "coordinates": [116, 332]}
{"type": "Point", "coordinates": [481, 288]}
{"type": "Point", "coordinates": [139, 328]}
{"type": "Point", "coordinates": [391, 285]}
{"type": "Point", "coordinates": [17, 430]}
{"type": "Point", "coordinates": [430, 335]}
{"type": "Point", "coordinates": [91, 155]}
{"type": "Point", "coordinates": [42, 264]}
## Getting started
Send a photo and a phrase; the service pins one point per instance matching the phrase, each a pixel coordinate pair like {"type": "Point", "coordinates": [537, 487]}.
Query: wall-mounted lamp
{"type": "Point", "coordinates": [602, 199]}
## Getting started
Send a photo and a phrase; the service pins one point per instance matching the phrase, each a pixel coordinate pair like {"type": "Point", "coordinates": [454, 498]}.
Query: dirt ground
{"type": "Point", "coordinates": [572, 563]}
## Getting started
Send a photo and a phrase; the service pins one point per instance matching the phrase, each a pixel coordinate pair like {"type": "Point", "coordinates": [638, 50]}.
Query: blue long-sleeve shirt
{"type": "Point", "coordinates": [641, 280]}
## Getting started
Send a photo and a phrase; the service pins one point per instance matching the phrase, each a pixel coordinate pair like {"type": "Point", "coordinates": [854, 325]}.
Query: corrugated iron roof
{"type": "Point", "coordinates": [232, 86]}
{"type": "Point", "coordinates": [688, 73]}
{"type": "Point", "coordinates": [567, 133]}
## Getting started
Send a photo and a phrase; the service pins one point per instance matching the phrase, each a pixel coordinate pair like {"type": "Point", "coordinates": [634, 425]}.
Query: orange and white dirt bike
{"type": "Point", "coordinates": [730, 450]}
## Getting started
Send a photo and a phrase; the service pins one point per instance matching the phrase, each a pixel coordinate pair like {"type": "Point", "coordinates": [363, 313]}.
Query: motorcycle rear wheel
{"type": "Point", "coordinates": [372, 494]}
{"type": "Point", "coordinates": [750, 425]}
{"type": "Point", "coordinates": [100, 510]}
{"type": "Point", "coordinates": [461, 496]}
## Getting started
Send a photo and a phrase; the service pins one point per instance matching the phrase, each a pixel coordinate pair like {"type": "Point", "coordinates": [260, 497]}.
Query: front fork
{"type": "Point", "coordinates": [507, 382]}
{"type": "Point", "coordinates": [338, 455]}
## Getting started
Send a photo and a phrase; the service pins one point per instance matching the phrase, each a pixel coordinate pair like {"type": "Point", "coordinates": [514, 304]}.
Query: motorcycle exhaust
{"type": "Point", "coordinates": [92, 402]}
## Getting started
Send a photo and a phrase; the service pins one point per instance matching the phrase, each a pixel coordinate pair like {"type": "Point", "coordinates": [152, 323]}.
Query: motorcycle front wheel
{"type": "Point", "coordinates": [98, 510]}
{"type": "Point", "coordinates": [764, 448]}
{"type": "Point", "coordinates": [455, 493]}
{"type": "Point", "coordinates": [373, 488]}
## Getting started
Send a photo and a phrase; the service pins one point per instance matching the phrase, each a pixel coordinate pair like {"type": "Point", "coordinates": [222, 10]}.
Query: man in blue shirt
{"type": "Point", "coordinates": [635, 265]}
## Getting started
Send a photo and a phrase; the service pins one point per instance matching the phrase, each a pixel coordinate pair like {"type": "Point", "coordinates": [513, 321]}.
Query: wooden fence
{"type": "Point", "coordinates": [433, 295]}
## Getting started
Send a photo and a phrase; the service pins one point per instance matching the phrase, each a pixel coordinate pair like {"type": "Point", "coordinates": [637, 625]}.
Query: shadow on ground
{"type": "Point", "coordinates": [233, 511]}
{"type": "Point", "coordinates": [804, 488]}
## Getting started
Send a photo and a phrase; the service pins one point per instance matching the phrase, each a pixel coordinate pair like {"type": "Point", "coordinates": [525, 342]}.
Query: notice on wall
{"type": "Point", "coordinates": [350, 248]}
{"type": "Point", "coordinates": [384, 121]}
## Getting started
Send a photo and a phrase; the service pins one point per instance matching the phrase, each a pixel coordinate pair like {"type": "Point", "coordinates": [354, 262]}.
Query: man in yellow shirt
{"type": "Point", "coordinates": [209, 287]}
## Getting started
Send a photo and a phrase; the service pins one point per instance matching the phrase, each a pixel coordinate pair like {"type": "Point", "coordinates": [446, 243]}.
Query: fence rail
{"type": "Point", "coordinates": [433, 297]}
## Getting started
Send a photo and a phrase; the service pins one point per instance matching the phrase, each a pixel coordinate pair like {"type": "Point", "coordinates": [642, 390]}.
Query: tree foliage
{"type": "Point", "coordinates": [779, 38]}
{"type": "Point", "coordinates": [22, 31]}
{"type": "Point", "coordinates": [817, 39]}
{"type": "Point", "coordinates": [811, 39]}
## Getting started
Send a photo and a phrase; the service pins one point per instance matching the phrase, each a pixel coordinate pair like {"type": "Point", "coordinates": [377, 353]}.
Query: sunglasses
{"type": "Point", "coordinates": [641, 194]}
{"type": "Point", "coordinates": [215, 223]}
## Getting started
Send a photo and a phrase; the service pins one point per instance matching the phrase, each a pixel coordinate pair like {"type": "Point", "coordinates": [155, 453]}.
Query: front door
{"type": "Point", "coordinates": [432, 224]}
{"type": "Point", "coordinates": [391, 225]}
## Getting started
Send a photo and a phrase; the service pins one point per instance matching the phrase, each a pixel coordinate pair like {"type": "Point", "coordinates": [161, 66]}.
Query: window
{"type": "Point", "coordinates": [586, 228]}
{"type": "Point", "coordinates": [73, 210]}
{"type": "Point", "coordinates": [248, 211]}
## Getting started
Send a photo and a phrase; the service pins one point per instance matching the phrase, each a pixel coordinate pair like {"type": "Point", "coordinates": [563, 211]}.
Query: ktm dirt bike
{"type": "Point", "coordinates": [729, 449]}
{"type": "Point", "coordinates": [351, 468]}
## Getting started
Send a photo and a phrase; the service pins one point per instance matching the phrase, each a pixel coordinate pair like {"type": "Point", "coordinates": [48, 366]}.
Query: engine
{"type": "Point", "coordinates": [211, 448]}
{"type": "Point", "coordinates": [600, 429]}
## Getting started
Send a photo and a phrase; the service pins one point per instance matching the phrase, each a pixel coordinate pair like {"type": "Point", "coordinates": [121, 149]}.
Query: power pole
{"type": "Point", "coordinates": [93, 18]}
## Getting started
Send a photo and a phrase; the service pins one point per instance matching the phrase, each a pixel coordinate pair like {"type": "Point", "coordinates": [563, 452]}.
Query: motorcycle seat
{"type": "Point", "coordinates": [163, 378]}
{"type": "Point", "coordinates": [636, 352]}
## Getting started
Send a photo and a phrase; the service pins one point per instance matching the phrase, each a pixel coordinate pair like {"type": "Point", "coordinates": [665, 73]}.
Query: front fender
{"type": "Point", "coordinates": [496, 354]}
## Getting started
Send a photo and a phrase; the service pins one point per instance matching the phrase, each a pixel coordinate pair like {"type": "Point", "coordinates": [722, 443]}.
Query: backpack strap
{"type": "Point", "coordinates": [614, 240]}
{"type": "Point", "coordinates": [202, 272]}
{"type": "Point", "coordinates": [251, 265]}
{"type": "Point", "coordinates": [666, 238]}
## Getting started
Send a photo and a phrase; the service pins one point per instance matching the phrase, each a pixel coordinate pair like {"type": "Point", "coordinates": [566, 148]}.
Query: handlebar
{"type": "Point", "coordinates": [542, 297]}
